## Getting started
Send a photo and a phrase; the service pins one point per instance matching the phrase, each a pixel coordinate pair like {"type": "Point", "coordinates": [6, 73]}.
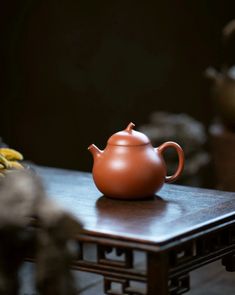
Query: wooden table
{"type": "Point", "coordinates": [179, 230]}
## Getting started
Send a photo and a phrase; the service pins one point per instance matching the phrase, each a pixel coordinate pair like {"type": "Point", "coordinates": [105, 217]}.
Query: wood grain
{"type": "Point", "coordinates": [176, 212]}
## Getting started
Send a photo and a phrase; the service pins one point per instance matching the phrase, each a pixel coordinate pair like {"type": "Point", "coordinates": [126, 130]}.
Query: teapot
{"type": "Point", "coordinates": [130, 167]}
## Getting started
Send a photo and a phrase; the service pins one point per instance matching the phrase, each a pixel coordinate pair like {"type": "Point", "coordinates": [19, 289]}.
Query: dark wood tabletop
{"type": "Point", "coordinates": [176, 212]}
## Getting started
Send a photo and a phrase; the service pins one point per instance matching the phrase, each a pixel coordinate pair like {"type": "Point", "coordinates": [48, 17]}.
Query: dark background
{"type": "Point", "coordinates": [74, 72]}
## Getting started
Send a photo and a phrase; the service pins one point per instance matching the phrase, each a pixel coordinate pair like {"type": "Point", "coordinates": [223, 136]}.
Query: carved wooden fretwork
{"type": "Point", "coordinates": [119, 257]}
{"type": "Point", "coordinates": [117, 263]}
{"type": "Point", "coordinates": [179, 285]}
{"type": "Point", "coordinates": [121, 287]}
{"type": "Point", "coordinates": [190, 255]}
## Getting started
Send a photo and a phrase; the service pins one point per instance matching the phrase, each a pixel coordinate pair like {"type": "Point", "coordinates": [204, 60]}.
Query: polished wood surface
{"type": "Point", "coordinates": [175, 212]}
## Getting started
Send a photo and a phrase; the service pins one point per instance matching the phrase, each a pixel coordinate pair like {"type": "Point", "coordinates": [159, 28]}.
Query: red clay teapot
{"type": "Point", "coordinates": [130, 167]}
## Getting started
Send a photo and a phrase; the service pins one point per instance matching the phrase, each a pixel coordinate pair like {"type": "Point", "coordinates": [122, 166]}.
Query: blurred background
{"type": "Point", "coordinates": [74, 72]}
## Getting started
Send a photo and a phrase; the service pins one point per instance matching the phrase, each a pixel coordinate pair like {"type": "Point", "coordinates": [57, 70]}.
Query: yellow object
{"type": "Point", "coordinates": [16, 165]}
{"type": "Point", "coordinates": [11, 154]}
{"type": "Point", "coordinates": [9, 160]}
{"type": "Point", "coordinates": [4, 161]}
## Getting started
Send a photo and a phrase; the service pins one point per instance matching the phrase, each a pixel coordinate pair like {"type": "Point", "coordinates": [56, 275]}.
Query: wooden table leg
{"type": "Point", "coordinates": [229, 262]}
{"type": "Point", "coordinates": [157, 267]}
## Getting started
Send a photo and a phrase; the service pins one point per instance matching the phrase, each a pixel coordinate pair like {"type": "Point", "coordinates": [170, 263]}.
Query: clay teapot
{"type": "Point", "coordinates": [130, 167]}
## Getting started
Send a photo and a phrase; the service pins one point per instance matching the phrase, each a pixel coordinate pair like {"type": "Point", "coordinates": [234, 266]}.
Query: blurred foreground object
{"type": "Point", "coordinates": [189, 133]}
{"type": "Point", "coordinates": [22, 200]}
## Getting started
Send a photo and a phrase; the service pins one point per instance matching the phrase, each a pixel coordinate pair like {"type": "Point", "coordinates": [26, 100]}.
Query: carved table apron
{"type": "Point", "coordinates": [178, 230]}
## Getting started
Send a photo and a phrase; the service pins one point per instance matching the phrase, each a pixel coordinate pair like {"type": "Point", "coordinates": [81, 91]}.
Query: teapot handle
{"type": "Point", "coordinates": [180, 153]}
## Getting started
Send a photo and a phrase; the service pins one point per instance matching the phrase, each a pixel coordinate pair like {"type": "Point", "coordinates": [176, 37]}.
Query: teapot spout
{"type": "Point", "coordinates": [94, 151]}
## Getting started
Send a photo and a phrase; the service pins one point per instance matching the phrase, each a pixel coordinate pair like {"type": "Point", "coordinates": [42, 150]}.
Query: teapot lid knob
{"type": "Point", "coordinates": [130, 127]}
{"type": "Point", "coordinates": [128, 137]}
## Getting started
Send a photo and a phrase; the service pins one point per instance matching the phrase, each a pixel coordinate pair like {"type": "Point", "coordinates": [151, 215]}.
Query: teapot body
{"type": "Point", "coordinates": [130, 167]}
{"type": "Point", "coordinates": [129, 172]}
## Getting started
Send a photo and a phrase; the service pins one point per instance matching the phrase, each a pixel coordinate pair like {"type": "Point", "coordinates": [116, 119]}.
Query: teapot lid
{"type": "Point", "coordinates": [128, 137]}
